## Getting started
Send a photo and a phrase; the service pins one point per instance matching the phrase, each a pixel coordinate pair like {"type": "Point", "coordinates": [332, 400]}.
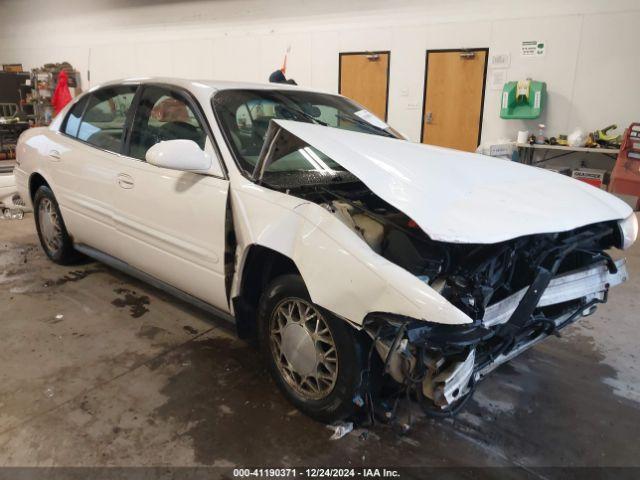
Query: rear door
{"type": "Point", "coordinates": [171, 224]}
{"type": "Point", "coordinates": [84, 165]}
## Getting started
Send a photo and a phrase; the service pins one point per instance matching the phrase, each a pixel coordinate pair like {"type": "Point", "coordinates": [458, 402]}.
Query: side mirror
{"type": "Point", "coordinates": [183, 155]}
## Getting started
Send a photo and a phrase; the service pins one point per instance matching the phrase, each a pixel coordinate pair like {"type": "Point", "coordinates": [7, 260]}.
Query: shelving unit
{"type": "Point", "coordinates": [43, 84]}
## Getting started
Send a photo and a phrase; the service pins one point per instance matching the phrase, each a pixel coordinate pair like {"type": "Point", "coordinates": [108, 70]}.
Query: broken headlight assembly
{"type": "Point", "coordinates": [628, 231]}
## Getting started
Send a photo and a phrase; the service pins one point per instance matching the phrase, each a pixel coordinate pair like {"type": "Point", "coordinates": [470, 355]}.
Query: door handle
{"type": "Point", "coordinates": [429, 116]}
{"type": "Point", "coordinates": [54, 154]}
{"type": "Point", "coordinates": [125, 181]}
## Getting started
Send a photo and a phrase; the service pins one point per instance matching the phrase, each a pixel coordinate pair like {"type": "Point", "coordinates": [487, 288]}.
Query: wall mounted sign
{"type": "Point", "coordinates": [533, 48]}
{"type": "Point", "coordinates": [497, 78]}
{"type": "Point", "coordinates": [500, 60]}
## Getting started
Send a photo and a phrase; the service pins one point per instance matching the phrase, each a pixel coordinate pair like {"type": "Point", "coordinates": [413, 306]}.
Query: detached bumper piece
{"type": "Point", "coordinates": [441, 364]}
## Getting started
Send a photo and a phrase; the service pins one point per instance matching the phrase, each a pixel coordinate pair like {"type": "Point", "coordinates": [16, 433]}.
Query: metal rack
{"type": "Point", "coordinates": [43, 84]}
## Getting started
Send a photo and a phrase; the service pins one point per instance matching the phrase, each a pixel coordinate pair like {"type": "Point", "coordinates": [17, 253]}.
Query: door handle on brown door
{"type": "Point", "coordinates": [125, 181]}
{"type": "Point", "coordinates": [54, 154]}
{"type": "Point", "coordinates": [429, 117]}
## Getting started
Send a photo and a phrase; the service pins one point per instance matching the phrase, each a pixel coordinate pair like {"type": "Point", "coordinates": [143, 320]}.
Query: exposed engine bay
{"type": "Point", "coordinates": [516, 293]}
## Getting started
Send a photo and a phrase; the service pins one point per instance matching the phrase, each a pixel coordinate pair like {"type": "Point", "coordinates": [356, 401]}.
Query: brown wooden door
{"type": "Point", "coordinates": [453, 98]}
{"type": "Point", "coordinates": [364, 77]}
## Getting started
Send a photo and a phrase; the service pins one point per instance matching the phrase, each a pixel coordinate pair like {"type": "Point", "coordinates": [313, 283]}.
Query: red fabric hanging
{"type": "Point", "coordinates": [61, 95]}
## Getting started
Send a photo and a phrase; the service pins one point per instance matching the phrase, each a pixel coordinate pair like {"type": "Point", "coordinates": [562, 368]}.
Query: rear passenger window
{"type": "Point", "coordinates": [75, 114]}
{"type": "Point", "coordinates": [103, 121]}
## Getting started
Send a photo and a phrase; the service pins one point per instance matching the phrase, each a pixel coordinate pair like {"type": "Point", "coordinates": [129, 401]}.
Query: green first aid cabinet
{"type": "Point", "coordinates": [523, 100]}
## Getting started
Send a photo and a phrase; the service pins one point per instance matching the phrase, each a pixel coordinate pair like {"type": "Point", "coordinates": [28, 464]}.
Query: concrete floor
{"type": "Point", "coordinates": [99, 369]}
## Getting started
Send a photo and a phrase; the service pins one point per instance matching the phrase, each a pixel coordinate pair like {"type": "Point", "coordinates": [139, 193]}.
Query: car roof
{"type": "Point", "coordinates": [212, 85]}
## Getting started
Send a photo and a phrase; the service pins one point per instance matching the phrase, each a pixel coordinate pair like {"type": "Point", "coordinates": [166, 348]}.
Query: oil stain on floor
{"type": "Point", "coordinates": [136, 303]}
{"type": "Point", "coordinates": [73, 276]}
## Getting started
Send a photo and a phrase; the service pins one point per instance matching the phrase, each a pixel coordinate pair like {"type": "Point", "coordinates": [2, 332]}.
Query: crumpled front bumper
{"type": "Point", "coordinates": [590, 285]}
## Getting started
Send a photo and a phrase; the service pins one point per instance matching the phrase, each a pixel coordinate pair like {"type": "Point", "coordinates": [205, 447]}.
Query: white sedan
{"type": "Point", "coordinates": [356, 257]}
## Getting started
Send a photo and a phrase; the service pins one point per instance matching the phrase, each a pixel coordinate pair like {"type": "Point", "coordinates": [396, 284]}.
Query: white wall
{"type": "Point", "coordinates": [591, 67]}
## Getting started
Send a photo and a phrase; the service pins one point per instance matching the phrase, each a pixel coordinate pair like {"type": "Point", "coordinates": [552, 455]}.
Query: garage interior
{"type": "Point", "coordinates": [98, 369]}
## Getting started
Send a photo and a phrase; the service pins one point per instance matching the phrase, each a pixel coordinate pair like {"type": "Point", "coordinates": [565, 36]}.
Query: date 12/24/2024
{"type": "Point", "coordinates": [315, 473]}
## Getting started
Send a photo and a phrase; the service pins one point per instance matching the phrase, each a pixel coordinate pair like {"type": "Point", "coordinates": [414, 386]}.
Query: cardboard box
{"type": "Point", "coordinates": [592, 176]}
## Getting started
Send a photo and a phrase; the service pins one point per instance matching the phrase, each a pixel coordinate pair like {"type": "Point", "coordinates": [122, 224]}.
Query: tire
{"type": "Point", "coordinates": [61, 250]}
{"type": "Point", "coordinates": [335, 402]}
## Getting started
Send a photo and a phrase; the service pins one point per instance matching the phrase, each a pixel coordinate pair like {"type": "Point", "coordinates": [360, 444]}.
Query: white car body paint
{"type": "Point", "coordinates": [463, 197]}
{"type": "Point", "coordinates": [453, 196]}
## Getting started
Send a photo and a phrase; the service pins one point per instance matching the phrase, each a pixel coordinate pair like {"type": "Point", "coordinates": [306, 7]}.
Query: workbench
{"type": "Point", "coordinates": [527, 151]}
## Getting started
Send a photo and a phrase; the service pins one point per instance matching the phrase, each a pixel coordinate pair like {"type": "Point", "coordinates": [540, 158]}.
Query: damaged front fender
{"type": "Point", "coordinates": [341, 272]}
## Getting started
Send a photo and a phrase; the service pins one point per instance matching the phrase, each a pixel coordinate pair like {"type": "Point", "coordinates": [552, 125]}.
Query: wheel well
{"type": "Point", "coordinates": [35, 182]}
{"type": "Point", "coordinates": [262, 265]}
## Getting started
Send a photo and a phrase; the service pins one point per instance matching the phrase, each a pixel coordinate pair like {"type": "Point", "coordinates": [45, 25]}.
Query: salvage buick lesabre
{"type": "Point", "coordinates": [353, 255]}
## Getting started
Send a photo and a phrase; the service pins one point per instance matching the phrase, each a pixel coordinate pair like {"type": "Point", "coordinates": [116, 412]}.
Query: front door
{"type": "Point", "coordinates": [171, 224]}
{"type": "Point", "coordinates": [453, 98]}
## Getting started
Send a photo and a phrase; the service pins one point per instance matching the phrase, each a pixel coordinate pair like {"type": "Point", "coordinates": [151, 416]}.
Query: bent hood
{"type": "Point", "coordinates": [463, 197]}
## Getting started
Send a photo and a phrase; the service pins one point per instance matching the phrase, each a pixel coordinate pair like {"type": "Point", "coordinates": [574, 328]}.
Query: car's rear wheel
{"type": "Point", "coordinates": [316, 359]}
{"type": "Point", "coordinates": [52, 232]}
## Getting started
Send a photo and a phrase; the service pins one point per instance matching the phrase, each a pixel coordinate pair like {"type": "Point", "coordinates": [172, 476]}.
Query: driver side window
{"type": "Point", "coordinates": [163, 114]}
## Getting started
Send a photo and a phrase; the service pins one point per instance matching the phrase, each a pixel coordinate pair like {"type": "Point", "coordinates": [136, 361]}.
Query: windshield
{"type": "Point", "coordinates": [244, 116]}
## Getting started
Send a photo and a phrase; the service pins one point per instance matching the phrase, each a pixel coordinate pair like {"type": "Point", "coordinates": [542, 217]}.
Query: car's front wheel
{"type": "Point", "coordinates": [52, 232]}
{"type": "Point", "coordinates": [316, 359]}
